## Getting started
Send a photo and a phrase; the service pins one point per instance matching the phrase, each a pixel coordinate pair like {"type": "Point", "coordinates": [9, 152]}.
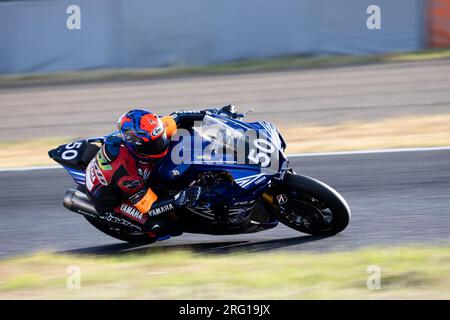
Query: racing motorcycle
{"type": "Point", "coordinates": [245, 176]}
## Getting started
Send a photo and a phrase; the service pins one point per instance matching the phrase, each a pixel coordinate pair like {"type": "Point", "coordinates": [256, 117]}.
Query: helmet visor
{"type": "Point", "coordinates": [154, 148]}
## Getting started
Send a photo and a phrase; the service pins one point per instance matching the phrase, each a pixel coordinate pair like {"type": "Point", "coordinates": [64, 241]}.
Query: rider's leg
{"type": "Point", "coordinates": [123, 212]}
{"type": "Point", "coordinates": [153, 226]}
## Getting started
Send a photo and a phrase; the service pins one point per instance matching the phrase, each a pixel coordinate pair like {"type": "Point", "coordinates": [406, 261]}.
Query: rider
{"type": "Point", "coordinates": [117, 177]}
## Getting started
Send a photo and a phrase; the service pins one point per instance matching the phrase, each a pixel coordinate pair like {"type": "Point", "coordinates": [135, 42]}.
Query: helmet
{"type": "Point", "coordinates": [144, 134]}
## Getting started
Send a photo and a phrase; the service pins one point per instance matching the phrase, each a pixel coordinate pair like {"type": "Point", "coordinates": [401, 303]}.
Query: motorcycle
{"type": "Point", "coordinates": [245, 176]}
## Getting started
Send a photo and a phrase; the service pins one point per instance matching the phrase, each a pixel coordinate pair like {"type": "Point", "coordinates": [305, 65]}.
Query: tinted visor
{"type": "Point", "coordinates": [153, 147]}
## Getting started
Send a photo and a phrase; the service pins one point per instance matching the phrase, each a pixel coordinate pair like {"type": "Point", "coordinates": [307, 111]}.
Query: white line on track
{"type": "Point", "coordinates": [338, 153]}
{"type": "Point", "coordinates": [30, 168]}
{"type": "Point", "coordinates": [292, 155]}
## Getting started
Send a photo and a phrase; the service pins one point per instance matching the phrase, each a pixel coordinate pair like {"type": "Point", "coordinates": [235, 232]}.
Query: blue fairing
{"type": "Point", "coordinates": [77, 175]}
{"type": "Point", "coordinates": [249, 177]}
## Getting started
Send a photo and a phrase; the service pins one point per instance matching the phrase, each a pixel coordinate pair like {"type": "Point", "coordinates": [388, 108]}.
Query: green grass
{"type": "Point", "coordinates": [419, 55]}
{"type": "Point", "coordinates": [243, 66]}
{"type": "Point", "coordinates": [406, 272]}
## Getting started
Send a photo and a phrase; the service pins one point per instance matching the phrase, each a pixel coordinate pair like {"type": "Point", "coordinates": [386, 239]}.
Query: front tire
{"type": "Point", "coordinates": [310, 206]}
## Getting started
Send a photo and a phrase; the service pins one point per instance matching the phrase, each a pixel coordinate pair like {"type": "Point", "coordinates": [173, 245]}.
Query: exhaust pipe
{"type": "Point", "coordinates": [78, 202]}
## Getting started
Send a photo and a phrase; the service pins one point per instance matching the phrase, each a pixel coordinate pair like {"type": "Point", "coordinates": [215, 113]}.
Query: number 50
{"type": "Point", "coordinates": [262, 157]}
{"type": "Point", "coordinates": [70, 153]}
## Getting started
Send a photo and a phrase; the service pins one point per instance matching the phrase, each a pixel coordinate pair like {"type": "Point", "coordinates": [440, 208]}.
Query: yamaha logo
{"type": "Point", "coordinates": [158, 211]}
{"type": "Point", "coordinates": [157, 131]}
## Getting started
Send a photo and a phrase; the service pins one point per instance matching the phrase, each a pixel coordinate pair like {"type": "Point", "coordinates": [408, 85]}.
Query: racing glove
{"type": "Point", "coordinates": [183, 198]}
{"type": "Point", "coordinates": [186, 118]}
{"type": "Point", "coordinates": [188, 196]}
{"type": "Point", "coordinates": [229, 111]}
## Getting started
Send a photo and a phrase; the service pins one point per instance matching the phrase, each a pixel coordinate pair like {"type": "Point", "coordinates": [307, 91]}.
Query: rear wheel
{"type": "Point", "coordinates": [123, 235]}
{"type": "Point", "coordinates": [310, 206]}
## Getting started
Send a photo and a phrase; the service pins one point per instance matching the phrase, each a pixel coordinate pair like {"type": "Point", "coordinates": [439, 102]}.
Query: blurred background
{"type": "Point", "coordinates": [69, 68]}
{"type": "Point", "coordinates": [348, 75]}
{"type": "Point", "coordinates": [143, 34]}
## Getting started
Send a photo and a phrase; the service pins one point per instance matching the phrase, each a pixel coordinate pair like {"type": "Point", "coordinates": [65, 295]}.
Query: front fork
{"type": "Point", "coordinates": [276, 193]}
{"type": "Point", "coordinates": [276, 197]}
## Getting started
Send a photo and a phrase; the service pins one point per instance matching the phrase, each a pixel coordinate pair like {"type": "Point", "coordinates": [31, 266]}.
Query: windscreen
{"type": "Point", "coordinates": [220, 135]}
{"type": "Point", "coordinates": [226, 144]}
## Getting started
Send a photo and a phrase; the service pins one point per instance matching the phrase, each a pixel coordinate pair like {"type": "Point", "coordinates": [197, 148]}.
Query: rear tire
{"type": "Point", "coordinates": [121, 235]}
{"type": "Point", "coordinates": [312, 206]}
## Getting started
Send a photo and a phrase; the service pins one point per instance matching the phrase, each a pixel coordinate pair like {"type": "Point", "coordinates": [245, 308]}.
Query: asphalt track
{"type": "Point", "coordinates": [286, 98]}
{"type": "Point", "coordinates": [396, 198]}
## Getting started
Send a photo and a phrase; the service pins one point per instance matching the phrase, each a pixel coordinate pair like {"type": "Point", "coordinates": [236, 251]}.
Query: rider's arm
{"type": "Point", "coordinates": [147, 201]}
{"type": "Point", "coordinates": [170, 124]}
{"type": "Point", "coordinates": [144, 199]}
{"type": "Point", "coordinates": [185, 197]}
{"type": "Point", "coordinates": [187, 118]}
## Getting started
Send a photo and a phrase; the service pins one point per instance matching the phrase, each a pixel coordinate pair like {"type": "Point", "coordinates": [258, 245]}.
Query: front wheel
{"type": "Point", "coordinates": [310, 206]}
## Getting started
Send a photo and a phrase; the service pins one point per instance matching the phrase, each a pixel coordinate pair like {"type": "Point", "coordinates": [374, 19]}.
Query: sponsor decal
{"type": "Point", "coordinates": [144, 173]}
{"type": "Point", "coordinates": [203, 211]}
{"type": "Point", "coordinates": [135, 198]}
{"type": "Point", "coordinates": [100, 175]}
{"type": "Point", "coordinates": [132, 184]}
{"type": "Point", "coordinates": [131, 211]}
{"type": "Point", "coordinates": [203, 157]}
{"type": "Point", "coordinates": [282, 198]}
{"type": "Point", "coordinates": [237, 211]}
{"type": "Point", "coordinates": [189, 111]}
{"type": "Point", "coordinates": [241, 210]}
{"type": "Point", "coordinates": [103, 163]}
{"type": "Point", "coordinates": [113, 219]}
{"type": "Point", "coordinates": [90, 176]}
{"type": "Point", "coordinates": [248, 180]}
{"type": "Point", "coordinates": [243, 203]}
{"type": "Point", "coordinates": [160, 210]}
{"type": "Point", "coordinates": [260, 180]}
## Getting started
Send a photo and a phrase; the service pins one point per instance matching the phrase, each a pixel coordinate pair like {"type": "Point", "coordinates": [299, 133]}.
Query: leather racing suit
{"type": "Point", "coordinates": [118, 183]}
